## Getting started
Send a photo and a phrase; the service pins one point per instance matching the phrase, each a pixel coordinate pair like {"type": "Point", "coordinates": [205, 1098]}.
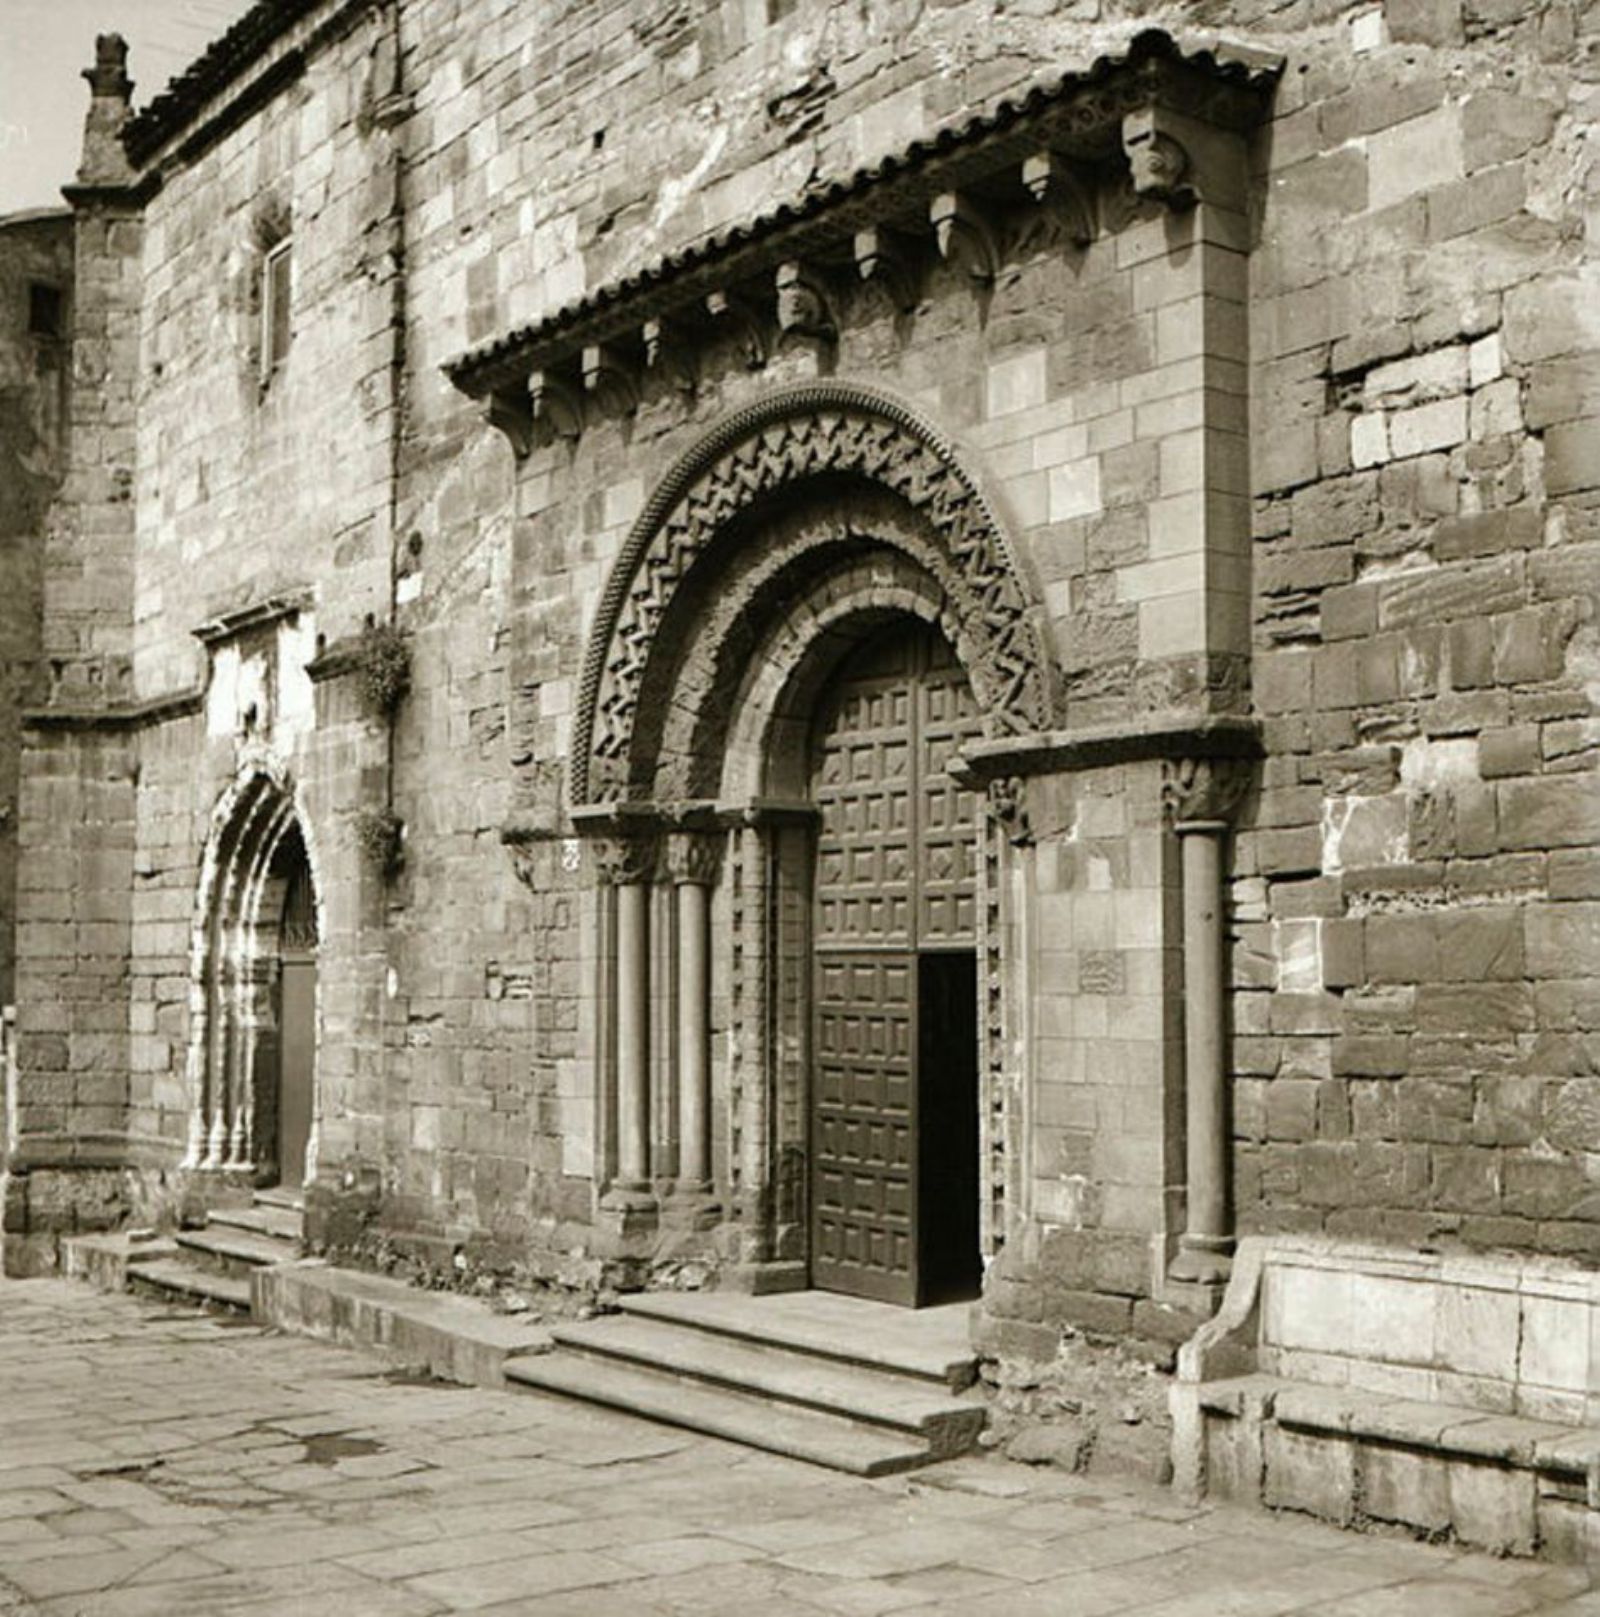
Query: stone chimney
{"type": "Point", "coordinates": [104, 161]}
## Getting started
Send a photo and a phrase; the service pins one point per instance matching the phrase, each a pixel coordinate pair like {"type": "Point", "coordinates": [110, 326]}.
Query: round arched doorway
{"type": "Point", "coordinates": [894, 1149]}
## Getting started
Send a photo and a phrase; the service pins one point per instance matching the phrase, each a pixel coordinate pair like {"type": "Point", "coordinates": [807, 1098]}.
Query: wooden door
{"type": "Point", "coordinates": [297, 1022]}
{"type": "Point", "coordinates": [895, 889]}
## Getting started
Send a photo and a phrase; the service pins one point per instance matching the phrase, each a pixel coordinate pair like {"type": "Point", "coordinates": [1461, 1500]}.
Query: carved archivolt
{"type": "Point", "coordinates": [796, 434]}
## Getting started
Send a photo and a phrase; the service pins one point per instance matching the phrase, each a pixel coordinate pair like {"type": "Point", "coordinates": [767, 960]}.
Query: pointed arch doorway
{"type": "Point", "coordinates": [894, 1144]}
{"type": "Point", "coordinates": [253, 1032]}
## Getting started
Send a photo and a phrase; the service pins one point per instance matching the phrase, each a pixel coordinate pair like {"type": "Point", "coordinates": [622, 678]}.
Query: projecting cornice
{"type": "Point", "coordinates": [1065, 161]}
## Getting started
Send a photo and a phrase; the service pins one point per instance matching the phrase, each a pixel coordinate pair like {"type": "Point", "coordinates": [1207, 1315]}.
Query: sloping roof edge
{"type": "Point", "coordinates": [1244, 68]}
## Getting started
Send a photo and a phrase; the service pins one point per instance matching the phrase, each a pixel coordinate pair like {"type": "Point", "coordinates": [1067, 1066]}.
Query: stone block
{"type": "Point", "coordinates": [1561, 937]}
{"type": "Point", "coordinates": [1509, 752]}
{"type": "Point", "coordinates": [1401, 1485]}
{"type": "Point", "coordinates": [1549, 812]}
{"type": "Point", "coordinates": [1566, 388]}
{"type": "Point", "coordinates": [1572, 456]}
{"type": "Point", "coordinates": [1486, 533]}
{"type": "Point", "coordinates": [1370, 1055]}
{"type": "Point", "coordinates": [1424, 22]}
{"type": "Point", "coordinates": [1439, 425]}
{"type": "Point", "coordinates": [1414, 156]}
{"type": "Point", "coordinates": [1315, 1475]}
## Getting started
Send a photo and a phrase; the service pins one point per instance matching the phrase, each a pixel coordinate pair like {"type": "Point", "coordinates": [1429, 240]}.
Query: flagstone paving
{"type": "Point", "coordinates": [155, 1461]}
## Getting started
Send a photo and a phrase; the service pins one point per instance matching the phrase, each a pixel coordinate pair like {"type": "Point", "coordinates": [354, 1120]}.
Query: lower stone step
{"type": "Point", "coordinates": [173, 1279]}
{"type": "Point", "coordinates": [945, 1424]}
{"type": "Point", "coordinates": [799, 1433]}
{"type": "Point", "coordinates": [235, 1251]}
{"type": "Point", "coordinates": [280, 1223]}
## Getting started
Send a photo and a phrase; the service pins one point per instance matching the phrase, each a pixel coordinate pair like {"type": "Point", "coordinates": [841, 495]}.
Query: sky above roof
{"type": "Point", "coordinates": [45, 44]}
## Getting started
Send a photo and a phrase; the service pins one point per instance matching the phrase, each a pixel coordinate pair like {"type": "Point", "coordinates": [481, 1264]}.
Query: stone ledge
{"type": "Point", "coordinates": [455, 1338]}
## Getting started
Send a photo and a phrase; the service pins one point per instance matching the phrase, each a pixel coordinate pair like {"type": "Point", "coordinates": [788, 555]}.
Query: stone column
{"type": "Point", "coordinates": [692, 860]}
{"type": "Point", "coordinates": [1201, 794]}
{"type": "Point", "coordinates": [628, 864]}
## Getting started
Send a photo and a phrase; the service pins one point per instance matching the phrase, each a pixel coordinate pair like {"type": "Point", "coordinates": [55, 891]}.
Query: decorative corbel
{"type": "Point", "coordinates": [1157, 160]}
{"type": "Point", "coordinates": [1203, 791]}
{"type": "Point", "coordinates": [965, 236]}
{"type": "Point", "coordinates": [748, 326]}
{"type": "Point", "coordinates": [610, 380]}
{"type": "Point", "coordinates": [509, 410]}
{"type": "Point", "coordinates": [667, 349]}
{"type": "Point", "coordinates": [556, 408]}
{"type": "Point", "coordinates": [882, 257]}
{"type": "Point", "coordinates": [1053, 185]}
{"type": "Point", "coordinates": [805, 310]}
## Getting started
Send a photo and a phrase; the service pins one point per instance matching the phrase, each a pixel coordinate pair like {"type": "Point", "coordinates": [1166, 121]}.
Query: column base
{"type": "Point", "coordinates": [1203, 1260]}
{"type": "Point", "coordinates": [628, 1210]}
{"type": "Point", "coordinates": [691, 1205]}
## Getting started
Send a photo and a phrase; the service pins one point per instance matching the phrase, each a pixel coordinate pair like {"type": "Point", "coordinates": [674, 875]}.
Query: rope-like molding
{"type": "Point", "coordinates": [781, 404]}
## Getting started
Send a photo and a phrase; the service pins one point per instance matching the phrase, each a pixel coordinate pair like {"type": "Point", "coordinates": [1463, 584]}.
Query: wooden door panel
{"type": "Point", "coordinates": [895, 872]}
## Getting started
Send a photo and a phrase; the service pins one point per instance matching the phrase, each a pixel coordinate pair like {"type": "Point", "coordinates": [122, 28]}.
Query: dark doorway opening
{"type": "Point", "coordinates": [951, 1268]}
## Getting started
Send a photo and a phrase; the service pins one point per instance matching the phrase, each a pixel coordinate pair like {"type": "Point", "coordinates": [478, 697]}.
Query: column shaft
{"type": "Point", "coordinates": [1206, 1241]}
{"type": "Point", "coordinates": [694, 1037]}
{"type": "Point", "coordinates": [633, 1036]}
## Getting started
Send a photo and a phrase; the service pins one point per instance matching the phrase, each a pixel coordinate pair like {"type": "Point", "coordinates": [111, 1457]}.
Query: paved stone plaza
{"type": "Point", "coordinates": [154, 1461]}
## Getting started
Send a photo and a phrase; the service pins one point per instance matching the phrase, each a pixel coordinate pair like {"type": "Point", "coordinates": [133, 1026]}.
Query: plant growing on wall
{"type": "Point", "coordinates": [381, 834]}
{"type": "Point", "coordinates": [383, 667]}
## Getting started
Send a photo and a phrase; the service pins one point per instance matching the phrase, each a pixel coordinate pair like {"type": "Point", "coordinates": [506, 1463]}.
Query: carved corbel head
{"type": "Point", "coordinates": [732, 311]}
{"type": "Point", "coordinates": [805, 309]}
{"type": "Point", "coordinates": [966, 237]}
{"type": "Point", "coordinates": [668, 350]}
{"type": "Point", "coordinates": [610, 380]}
{"type": "Point", "coordinates": [556, 408]}
{"type": "Point", "coordinates": [1157, 160]}
{"type": "Point", "coordinates": [1054, 185]}
{"type": "Point", "coordinates": [509, 411]}
{"type": "Point", "coordinates": [883, 258]}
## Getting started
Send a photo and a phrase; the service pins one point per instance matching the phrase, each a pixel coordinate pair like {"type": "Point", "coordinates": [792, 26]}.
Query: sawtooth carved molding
{"type": "Point", "coordinates": [793, 435]}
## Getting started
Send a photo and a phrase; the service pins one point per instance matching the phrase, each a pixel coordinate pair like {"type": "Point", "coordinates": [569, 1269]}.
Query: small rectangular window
{"type": "Point", "coordinates": [44, 310]}
{"type": "Point", "coordinates": [275, 329]}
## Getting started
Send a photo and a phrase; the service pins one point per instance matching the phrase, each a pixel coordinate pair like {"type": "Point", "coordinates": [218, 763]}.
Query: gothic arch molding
{"type": "Point", "coordinates": [807, 436]}
{"type": "Point", "coordinates": [256, 834]}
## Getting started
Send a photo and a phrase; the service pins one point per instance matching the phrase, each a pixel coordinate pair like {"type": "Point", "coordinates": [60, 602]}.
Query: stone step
{"type": "Point", "coordinates": [869, 1396]}
{"type": "Point", "coordinates": [175, 1280]}
{"type": "Point", "coordinates": [928, 1343]}
{"type": "Point", "coordinates": [280, 1196]}
{"type": "Point", "coordinates": [282, 1223]}
{"type": "Point", "coordinates": [801, 1434]}
{"type": "Point", "coordinates": [234, 1251]}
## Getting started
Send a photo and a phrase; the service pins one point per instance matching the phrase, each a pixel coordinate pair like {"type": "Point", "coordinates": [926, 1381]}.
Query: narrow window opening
{"type": "Point", "coordinates": [45, 309]}
{"type": "Point", "coordinates": [276, 274]}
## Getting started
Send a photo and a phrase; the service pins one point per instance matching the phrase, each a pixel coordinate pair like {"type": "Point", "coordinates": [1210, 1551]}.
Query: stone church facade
{"type": "Point", "coordinates": [939, 651]}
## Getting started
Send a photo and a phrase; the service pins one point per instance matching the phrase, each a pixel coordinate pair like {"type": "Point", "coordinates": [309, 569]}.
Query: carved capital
{"type": "Point", "coordinates": [805, 310]}
{"type": "Point", "coordinates": [621, 861]}
{"type": "Point", "coordinates": [668, 351]}
{"type": "Point", "coordinates": [556, 409]}
{"type": "Point", "coordinates": [966, 237]}
{"type": "Point", "coordinates": [882, 257]}
{"type": "Point", "coordinates": [1157, 160]}
{"type": "Point", "coordinates": [1055, 186]}
{"type": "Point", "coordinates": [732, 311]}
{"type": "Point", "coordinates": [1008, 808]}
{"type": "Point", "coordinates": [610, 380]}
{"type": "Point", "coordinates": [1203, 791]}
{"type": "Point", "coordinates": [694, 857]}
